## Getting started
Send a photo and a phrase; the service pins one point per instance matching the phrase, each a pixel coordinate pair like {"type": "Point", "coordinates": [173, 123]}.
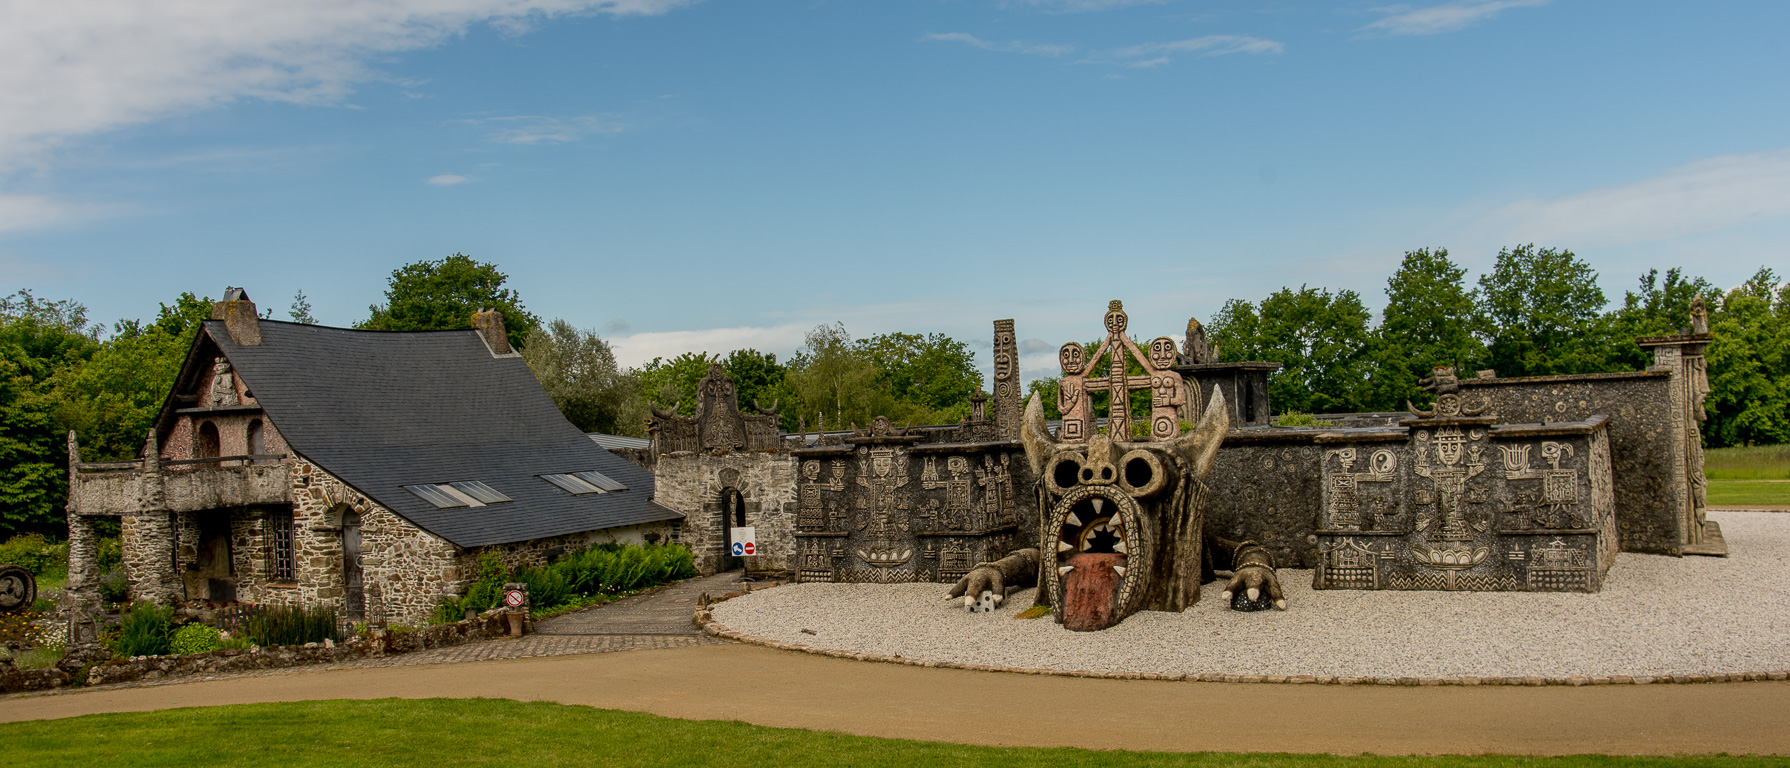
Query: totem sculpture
{"type": "Point", "coordinates": [1122, 516]}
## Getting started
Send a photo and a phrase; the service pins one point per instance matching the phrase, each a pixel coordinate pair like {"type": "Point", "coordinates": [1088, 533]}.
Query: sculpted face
{"type": "Point", "coordinates": [1072, 357]}
{"type": "Point", "coordinates": [1162, 352]}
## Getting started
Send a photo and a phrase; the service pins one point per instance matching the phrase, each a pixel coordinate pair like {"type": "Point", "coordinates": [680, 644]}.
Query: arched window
{"type": "Point", "coordinates": [257, 438]}
{"type": "Point", "coordinates": [206, 447]}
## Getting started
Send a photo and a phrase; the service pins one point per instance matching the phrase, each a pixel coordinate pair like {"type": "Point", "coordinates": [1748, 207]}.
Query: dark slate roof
{"type": "Point", "coordinates": [383, 410]}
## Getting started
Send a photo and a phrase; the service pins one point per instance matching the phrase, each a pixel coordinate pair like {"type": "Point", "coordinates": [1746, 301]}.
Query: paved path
{"type": "Point", "coordinates": [778, 688]}
{"type": "Point", "coordinates": [663, 611]}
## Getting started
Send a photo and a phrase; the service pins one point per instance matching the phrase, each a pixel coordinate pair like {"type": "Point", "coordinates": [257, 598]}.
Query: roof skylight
{"type": "Point", "coordinates": [581, 483]}
{"type": "Point", "coordinates": [468, 493]}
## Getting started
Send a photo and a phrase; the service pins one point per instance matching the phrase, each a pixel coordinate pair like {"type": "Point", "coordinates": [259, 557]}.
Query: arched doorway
{"type": "Point", "coordinates": [354, 596]}
{"type": "Point", "coordinates": [733, 515]}
{"type": "Point", "coordinates": [207, 446]}
{"type": "Point", "coordinates": [257, 438]}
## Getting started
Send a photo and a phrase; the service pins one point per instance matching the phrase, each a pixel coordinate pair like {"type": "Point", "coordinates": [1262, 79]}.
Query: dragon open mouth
{"type": "Point", "coordinates": [1092, 563]}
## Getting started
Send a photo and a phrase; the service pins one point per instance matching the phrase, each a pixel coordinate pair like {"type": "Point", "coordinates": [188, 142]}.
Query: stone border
{"type": "Point", "coordinates": [74, 671]}
{"type": "Point", "coordinates": [705, 618]}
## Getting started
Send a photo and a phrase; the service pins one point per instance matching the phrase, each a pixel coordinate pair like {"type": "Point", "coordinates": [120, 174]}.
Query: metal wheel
{"type": "Point", "coordinates": [18, 590]}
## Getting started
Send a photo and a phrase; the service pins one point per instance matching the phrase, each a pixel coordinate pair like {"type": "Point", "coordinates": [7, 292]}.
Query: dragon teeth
{"type": "Point", "coordinates": [1072, 519]}
{"type": "Point", "coordinates": [1120, 548]}
{"type": "Point", "coordinates": [1064, 570]}
{"type": "Point", "coordinates": [1119, 569]}
{"type": "Point", "coordinates": [1099, 503]}
{"type": "Point", "coordinates": [1064, 546]}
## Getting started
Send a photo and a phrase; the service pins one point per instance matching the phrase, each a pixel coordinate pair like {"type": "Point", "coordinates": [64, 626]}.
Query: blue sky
{"type": "Point", "coordinates": [709, 175]}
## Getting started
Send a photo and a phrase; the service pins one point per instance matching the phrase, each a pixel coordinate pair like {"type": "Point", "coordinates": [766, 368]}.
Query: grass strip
{"type": "Point", "coordinates": [1757, 462]}
{"type": "Point", "coordinates": [1748, 493]}
{"type": "Point", "coordinates": [444, 733]}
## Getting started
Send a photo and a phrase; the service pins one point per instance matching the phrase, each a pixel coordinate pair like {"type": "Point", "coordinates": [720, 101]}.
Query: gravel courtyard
{"type": "Point", "coordinates": [1656, 616]}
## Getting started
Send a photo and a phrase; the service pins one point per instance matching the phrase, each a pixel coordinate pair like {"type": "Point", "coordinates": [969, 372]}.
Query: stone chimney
{"type": "Point", "coordinates": [238, 314]}
{"type": "Point", "coordinates": [489, 324]}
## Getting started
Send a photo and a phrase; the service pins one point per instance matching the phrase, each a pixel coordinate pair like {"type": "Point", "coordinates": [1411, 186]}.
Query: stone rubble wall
{"type": "Point", "coordinates": [375, 643]}
{"type": "Point", "coordinates": [693, 484]}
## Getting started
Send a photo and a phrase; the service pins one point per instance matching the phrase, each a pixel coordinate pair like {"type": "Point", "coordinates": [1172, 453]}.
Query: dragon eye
{"type": "Point", "coordinates": [1142, 473]}
{"type": "Point", "coordinates": [1066, 472]}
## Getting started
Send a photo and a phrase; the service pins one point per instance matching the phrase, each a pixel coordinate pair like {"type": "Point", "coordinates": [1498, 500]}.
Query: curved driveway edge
{"type": "Point", "coordinates": [793, 690]}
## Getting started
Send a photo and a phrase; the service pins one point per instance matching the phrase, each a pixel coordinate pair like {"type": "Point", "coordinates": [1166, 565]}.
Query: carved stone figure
{"type": "Point", "coordinates": [1122, 519]}
{"type": "Point", "coordinates": [223, 384]}
{"type": "Point", "coordinates": [1073, 400]}
{"type": "Point", "coordinates": [987, 585]}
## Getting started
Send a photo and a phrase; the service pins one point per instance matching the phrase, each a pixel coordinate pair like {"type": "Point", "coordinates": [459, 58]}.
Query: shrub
{"type": "Point", "coordinates": [37, 554]}
{"type": "Point", "coordinates": [147, 630]}
{"type": "Point", "coordinates": [114, 586]}
{"type": "Point", "coordinates": [109, 553]}
{"type": "Point", "coordinates": [196, 638]}
{"type": "Point", "coordinates": [290, 625]}
{"type": "Point", "coordinates": [1298, 419]}
{"type": "Point", "coordinates": [546, 587]}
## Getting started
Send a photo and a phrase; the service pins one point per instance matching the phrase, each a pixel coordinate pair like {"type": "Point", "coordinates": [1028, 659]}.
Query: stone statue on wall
{"type": "Point", "coordinates": [223, 384]}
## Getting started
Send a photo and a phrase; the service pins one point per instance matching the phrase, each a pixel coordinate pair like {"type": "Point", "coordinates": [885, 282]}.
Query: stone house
{"type": "Point", "coordinates": [362, 471]}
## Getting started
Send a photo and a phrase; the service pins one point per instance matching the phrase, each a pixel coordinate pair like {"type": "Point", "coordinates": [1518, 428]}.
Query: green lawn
{"type": "Point", "coordinates": [439, 733]}
{"type": "Point", "coordinates": [1748, 493]}
{"type": "Point", "coordinates": [1756, 462]}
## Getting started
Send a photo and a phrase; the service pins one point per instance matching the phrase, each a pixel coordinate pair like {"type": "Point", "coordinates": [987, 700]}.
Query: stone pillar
{"type": "Point", "coordinates": [149, 536]}
{"type": "Point", "coordinates": [81, 600]}
{"type": "Point", "coordinates": [1006, 381]}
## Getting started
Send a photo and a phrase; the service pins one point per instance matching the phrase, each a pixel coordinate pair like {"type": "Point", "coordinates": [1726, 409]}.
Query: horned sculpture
{"type": "Point", "coordinates": [1122, 528]}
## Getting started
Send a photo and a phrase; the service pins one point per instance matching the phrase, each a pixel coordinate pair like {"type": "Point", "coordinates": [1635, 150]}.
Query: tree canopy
{"type": "Point", "coordinates": [443, 294]}
{"type": "Point", "coordinates": [578, 370]}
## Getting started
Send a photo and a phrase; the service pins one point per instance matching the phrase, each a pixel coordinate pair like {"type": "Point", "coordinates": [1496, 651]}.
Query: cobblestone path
{"type": "Point", "coordinates": [662, 612]}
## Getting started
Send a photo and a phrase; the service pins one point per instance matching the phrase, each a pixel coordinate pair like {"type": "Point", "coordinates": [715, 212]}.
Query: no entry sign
{"type": "Point", "coordinates": [745, 541]}
{"type": "Point", "coordinates": [513, 598]}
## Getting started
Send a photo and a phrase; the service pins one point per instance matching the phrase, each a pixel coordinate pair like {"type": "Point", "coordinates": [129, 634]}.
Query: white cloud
{"type": "Point", "coordinates": [1210, 45]}
{"type": "Point", "coordinates": [1075, 6]}
{"type": "Point", "coordinates": [70, 69]}
{"type": "Point", "coordinates": [1035, 49]}
{"type": "Point", "coordinates": [541, 129]}
{"type": "Point", "coordinates": [446, 180]}
{"type": "Point", "coordinates": [1436, 19]}
{"type": "Point", "coordinates": [640, 348]}
{"type": "Point", "coordinates": [31, 211]}
{"type": "Point", "coordinates": [1704, 196]}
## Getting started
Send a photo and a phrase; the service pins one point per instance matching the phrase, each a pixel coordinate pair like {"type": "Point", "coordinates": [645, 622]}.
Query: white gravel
{"type": "Point", "coordinates": [1656, 616]}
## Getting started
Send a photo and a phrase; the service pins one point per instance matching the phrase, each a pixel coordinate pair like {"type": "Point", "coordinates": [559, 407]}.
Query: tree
{"type": "Point", "coordinates": [1429, 321]}
{"type": "Point", "coordinates": [38, 339]}
{"type": "Point", "coordinates": [443, 294]}
{"type": "Point", "coordinates": [578, 370]}
{"type": "Point", "coordinates": [301, 309]}
{"type": "Point", "coordinates": [833, 379]}
{"type": "Point", "coordinates": [1657, 308]}
{"type": "Point", "coordinates": [1542, 314]}
{"type": "Point", "coordinates": [112, 398]}
{"type": "Point", "coordinates": [1749, 399]}
{"type": "Point", "coordinates": [759, 378]}
{"type": "Point", "coordinates": [1320, 339]}
{"type": "Point", "coordinates": [922, 379]}
{"type": "Point", "coordinates": [672, 383]}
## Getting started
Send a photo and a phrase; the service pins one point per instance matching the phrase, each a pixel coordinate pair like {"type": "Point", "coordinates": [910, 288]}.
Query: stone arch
{"type": "Point", "coordinates": [206, 444]}
{"type": "Point", "coordinates": [255, 438]}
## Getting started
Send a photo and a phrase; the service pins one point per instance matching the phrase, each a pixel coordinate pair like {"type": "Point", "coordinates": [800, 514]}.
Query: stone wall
{"type": "Point", "coordinates": [1266, 486]}
{"type": "Point", "coordinates": [694, 484]}
{"type": "Point", "coordinates": [1462, 503]}
{"type": "Point", "coordinates": [1646, 439]}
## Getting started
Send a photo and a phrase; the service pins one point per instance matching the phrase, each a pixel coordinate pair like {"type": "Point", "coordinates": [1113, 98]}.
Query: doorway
{"type": "Point", "coordinates": [354, 596]}
{"type": "Point", "coordinates": [733, 515]}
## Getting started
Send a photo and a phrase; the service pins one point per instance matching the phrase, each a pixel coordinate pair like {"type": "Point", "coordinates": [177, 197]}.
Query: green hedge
{"type": "Point", "coordinates": [605, 569]}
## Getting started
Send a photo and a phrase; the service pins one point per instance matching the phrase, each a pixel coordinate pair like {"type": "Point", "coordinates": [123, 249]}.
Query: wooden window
{"type": "Point", "coordinates": [280, 532]}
